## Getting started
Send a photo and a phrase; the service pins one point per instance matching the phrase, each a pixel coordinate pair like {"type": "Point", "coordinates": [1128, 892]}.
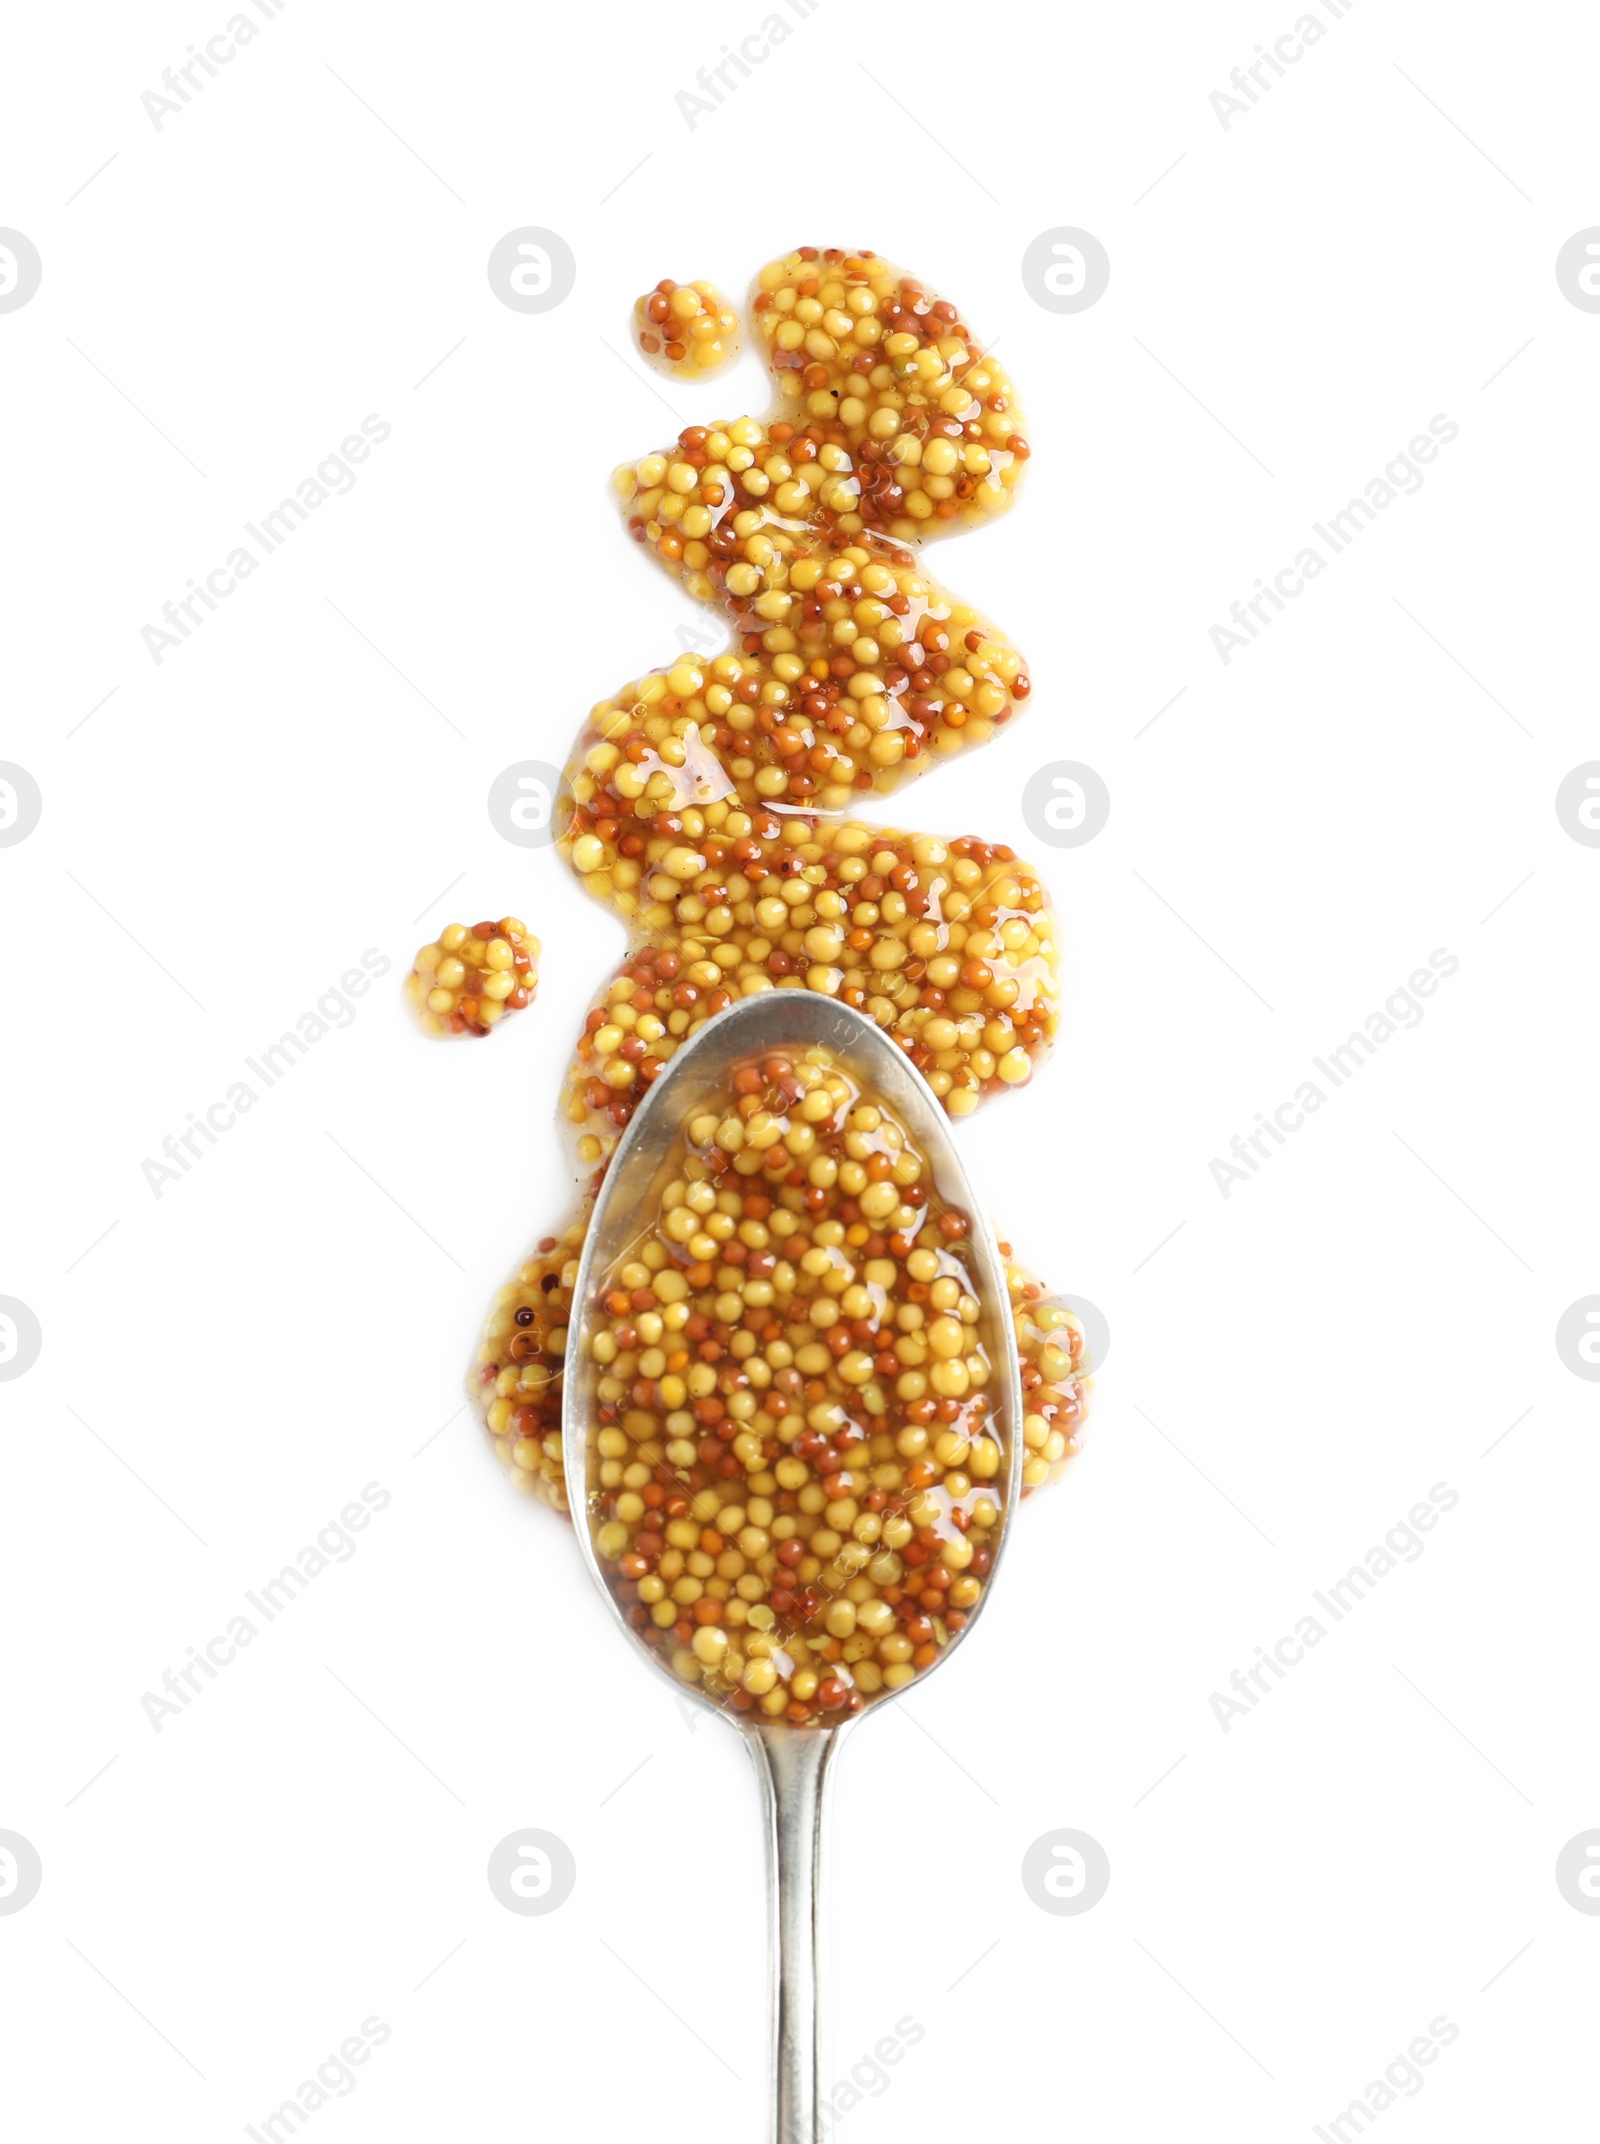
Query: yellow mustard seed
{"type": "Point", "coordinates": [465, 982]}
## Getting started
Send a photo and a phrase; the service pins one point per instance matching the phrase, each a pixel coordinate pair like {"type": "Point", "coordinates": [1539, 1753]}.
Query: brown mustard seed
{"type": "Point", "coordinates": [468, 980]}
{"type": "Point", "coordinates": [686, 330]}
{"type": "Point", "coordinates": [796, 1486]}
{"type": "Point", "coordinates": [706, 802]}
{"type": "Point", "coordinates": [520, 1396]}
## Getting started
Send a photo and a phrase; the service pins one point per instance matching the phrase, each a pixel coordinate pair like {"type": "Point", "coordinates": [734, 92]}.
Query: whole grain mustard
{"type": "Point", "coordinates": [707, 803]}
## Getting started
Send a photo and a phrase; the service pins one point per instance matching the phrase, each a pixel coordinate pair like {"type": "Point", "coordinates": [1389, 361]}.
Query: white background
{"type": "Point", "coordinates": [1372, 779]}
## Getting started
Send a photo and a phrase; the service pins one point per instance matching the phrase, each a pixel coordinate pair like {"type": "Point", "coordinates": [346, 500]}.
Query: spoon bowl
{"type": "Point", "coordinates": [792, 1763]}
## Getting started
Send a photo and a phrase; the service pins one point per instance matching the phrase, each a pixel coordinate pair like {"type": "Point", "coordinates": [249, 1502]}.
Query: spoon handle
{"type": "Point", "coordinates": [793, 1765]}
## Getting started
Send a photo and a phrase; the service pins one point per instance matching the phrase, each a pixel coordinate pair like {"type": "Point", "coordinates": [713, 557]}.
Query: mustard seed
{"type": "Point", "coordinates": [465, 982]}
{"type": "Point", "coordinates": [707, 805]}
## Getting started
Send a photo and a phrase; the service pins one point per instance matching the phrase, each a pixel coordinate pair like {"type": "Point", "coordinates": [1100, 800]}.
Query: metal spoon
{"type": "Point", "coordinates": [792, 1763]}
